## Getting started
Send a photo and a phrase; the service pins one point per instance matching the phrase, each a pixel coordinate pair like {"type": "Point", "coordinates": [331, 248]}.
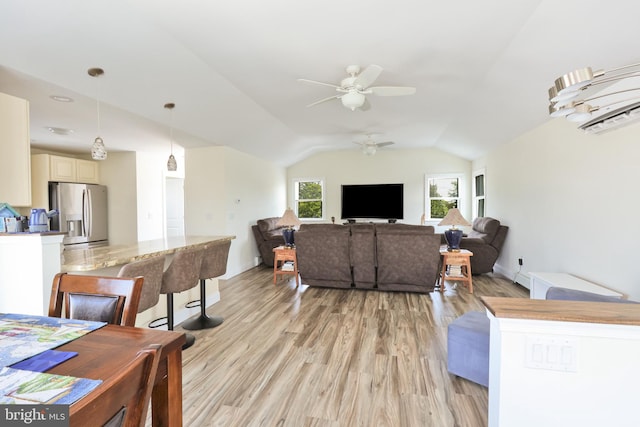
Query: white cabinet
{"type": "Point", "coordinates": [66, 169]}
{"type": "Point", "coordinates": [62, 169]}
{"type": "Point", "coordinates": [15, 172]}
{"type": "Point", "coordinates": [541, 282]}
{"type": "Point", "coordinates": [47, 167]}
{"type": "Point", "coordinates": [87, 172]}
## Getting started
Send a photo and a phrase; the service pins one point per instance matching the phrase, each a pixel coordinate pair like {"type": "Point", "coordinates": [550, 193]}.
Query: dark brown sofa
{"type": "Point", "coordinates": [389, 257]}
{"type": "Point", "coordinates": [485, 241]}
{"type": "Point", "coordinates": [268, 236]}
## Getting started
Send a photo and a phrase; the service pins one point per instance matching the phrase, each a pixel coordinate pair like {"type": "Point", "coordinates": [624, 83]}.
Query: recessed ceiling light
{"type": "Point", "coordinates": [60, 131]}
{"type": "Point", "coordinates": [61, 98]}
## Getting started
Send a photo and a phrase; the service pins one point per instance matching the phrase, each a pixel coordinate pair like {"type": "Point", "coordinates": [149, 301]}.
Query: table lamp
{"type": "Point", "coordinates": [453, 235]}
{"type": "Point", "coordinates": [289, 220]}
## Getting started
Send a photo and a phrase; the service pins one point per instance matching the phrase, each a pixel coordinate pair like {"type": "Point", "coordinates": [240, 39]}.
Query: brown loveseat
{"type": "Point", "coordinates": [388, 257]}
{"type": "Point", "coordinates": [268, 236]}
{"type": "Point", "coordinates": [485, 241]}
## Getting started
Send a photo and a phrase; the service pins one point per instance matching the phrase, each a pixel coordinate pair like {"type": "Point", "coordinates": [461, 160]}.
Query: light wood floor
{"type": "Point", "coordinates": [332, 357]}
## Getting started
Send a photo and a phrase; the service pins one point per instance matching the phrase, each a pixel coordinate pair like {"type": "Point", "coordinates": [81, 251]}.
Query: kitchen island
{"type": "Point", "coordinates": [29, 261]}
{"type": "Point", "coordinates": [102, 257]}
{"type": "Point", "coordinates": [107, 261]}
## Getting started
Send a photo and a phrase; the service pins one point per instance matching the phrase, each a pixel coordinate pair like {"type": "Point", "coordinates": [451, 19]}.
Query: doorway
{"type": "Point", "coordinates": [174, 199]}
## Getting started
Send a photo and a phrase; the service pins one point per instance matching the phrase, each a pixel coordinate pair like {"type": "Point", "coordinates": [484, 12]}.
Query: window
{"type": "Point", "coordinates": [309, 198]}
{"type": "Point", "coordinates": [478, 194]}
{"type": "Point", "coordinates": [443, 193]}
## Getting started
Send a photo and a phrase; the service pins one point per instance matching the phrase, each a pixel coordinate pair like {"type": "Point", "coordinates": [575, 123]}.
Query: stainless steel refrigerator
{"type": "Point", "coordinates": [82, 212]}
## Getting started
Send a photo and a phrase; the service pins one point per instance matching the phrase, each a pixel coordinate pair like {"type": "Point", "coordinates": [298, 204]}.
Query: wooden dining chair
{"type": "Point", "coordinates": [131, 388]}
{"type": "Point", "coordinates": [103, 299]}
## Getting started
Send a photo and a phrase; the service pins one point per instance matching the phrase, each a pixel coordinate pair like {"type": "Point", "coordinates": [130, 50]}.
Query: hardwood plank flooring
{"type": "Point", "coordinates": [332, 357]}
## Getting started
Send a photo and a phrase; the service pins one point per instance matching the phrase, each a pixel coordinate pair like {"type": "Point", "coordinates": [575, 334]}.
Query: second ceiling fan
{"type": "Point", "coordinates": [352, 89]}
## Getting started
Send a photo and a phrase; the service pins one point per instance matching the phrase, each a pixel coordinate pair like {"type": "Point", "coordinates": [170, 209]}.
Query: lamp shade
{"type": "Point", "coordinates": [289, 219]}
{"type": "Point", "coordinates": [453, 218]}
{"type": "Point", "coordinates": [453, 235]}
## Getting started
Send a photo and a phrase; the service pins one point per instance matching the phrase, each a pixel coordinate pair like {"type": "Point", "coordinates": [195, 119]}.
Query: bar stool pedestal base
{"type": "Point", "coordinates": [202, 322]}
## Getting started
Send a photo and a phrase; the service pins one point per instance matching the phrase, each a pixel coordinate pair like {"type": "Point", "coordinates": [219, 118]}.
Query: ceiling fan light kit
{"type": "Point", "coordinates": [572, 96]}
{"type": "Point", "coordinates": [352, 89]}
{"type": "Point", "coordinates": [370, 147]}
{"type": "Point", "coordinates": [352, 100]}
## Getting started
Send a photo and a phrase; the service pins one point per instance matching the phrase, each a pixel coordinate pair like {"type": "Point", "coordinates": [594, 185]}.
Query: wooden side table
{"type": "Point", "coordinates": [282, 254]}
{"type": "Point", "coordinates": [461, 259]}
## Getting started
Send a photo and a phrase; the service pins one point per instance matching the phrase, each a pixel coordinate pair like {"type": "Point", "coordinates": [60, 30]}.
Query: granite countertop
{"type": "Point", "coordinates": [87, 259]}
{"type": "Point", "coordinates": [26, 233]}
{"type": "Point", "coordinates": [563, 311]}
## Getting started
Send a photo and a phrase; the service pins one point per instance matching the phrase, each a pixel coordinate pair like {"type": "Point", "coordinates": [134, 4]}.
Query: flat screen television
{"type": "Point", "coordinates": [373, 201]}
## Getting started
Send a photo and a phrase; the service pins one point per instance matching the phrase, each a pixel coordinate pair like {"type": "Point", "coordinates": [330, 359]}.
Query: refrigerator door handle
{"type": "Point", "coordinates": [85, 196]}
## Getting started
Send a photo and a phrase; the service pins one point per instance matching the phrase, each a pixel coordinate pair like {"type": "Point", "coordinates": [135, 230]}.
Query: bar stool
{"type": "Point", "coordinates": [214, 264]}
{"type": "Point", "coordinates": [151, 269]}
{"type": "Point", "coordinates": [182, 274]}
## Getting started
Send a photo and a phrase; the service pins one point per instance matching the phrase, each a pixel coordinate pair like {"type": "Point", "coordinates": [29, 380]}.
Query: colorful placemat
{"type": "Point", "coordinates": [23, 336]}
{"type": "Point", "coordinates": [26, 387]}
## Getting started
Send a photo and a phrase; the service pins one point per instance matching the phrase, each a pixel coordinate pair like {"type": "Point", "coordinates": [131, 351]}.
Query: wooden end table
{"type": "Point", "coordinates": [461, 259]}
{"type": "Point", "coordinates": [282, 254]}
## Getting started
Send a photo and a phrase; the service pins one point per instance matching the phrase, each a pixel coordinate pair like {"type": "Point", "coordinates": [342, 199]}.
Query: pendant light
{"type": "Point", "coordinates": [98, 151]}
{"type": "Point", "coordinates": [172, 165]}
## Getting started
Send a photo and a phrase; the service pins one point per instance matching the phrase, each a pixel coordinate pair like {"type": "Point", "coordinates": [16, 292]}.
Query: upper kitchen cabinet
{"type": "Point", "coordinates": [47, 167]}
{"type": "Point", "coordinates": [15, 170]}
{"type": "Point", "coordinates": [66, 169]}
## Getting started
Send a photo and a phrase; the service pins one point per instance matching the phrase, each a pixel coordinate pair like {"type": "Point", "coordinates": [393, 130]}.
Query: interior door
{"type": "Point", "coordinates": [174, 189]}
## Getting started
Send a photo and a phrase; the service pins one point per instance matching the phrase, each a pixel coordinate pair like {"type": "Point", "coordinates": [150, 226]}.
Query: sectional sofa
{"type": "Point", "coordinates": [386, 257]}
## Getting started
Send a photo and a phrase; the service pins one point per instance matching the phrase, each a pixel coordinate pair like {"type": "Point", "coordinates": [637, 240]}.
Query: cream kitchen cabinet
{"type": "Point", "coordinates": [66, 169]}
{"type": "Point", "coordinates": [15, 173]}
{"type": "Point", "coordinates": [48, 167]}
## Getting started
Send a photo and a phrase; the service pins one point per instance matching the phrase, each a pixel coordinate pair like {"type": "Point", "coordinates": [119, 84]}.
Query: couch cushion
{"type": "Point", "coordinates": [402, 228]}
{"type": "Point", "coordinates": [484, 228]}
{"type": "Point", "coordinates": [267, 224]}
{"type": "Point", "coordinates": [320, 227]}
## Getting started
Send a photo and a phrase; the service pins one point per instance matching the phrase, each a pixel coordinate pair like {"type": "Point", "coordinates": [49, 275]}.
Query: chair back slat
{"type": "Point", "coordinates": [98, 298]}
{"type": "Point", "coordinates": [129, 394]}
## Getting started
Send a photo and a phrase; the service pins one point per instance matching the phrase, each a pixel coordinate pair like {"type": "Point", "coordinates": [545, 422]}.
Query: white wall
{"type": "Point", "coordinates": [118, 173]}
{"type": "Point", "coordinates": [226, 191]}
{"type": "Point", "coordinates": [407, 166]}
{"type": "Point", "coordinates": [571, 201]}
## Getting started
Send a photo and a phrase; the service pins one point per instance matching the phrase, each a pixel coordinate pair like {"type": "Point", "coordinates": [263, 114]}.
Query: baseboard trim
{"type": "Point", "coordinates": [516, 276]}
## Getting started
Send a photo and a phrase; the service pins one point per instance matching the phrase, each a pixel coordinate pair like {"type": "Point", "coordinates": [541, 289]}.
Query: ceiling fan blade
{"type": "Point", "coordinates": [319, 83]}
{"type": "Point", "coordinates": [368, 76]}
{"type": "Point", "coordinates": [324, 100]}
{"type": "Point", "coordinates": [384, 144]}
{"type": "Point", "coordinates": [391, 90]}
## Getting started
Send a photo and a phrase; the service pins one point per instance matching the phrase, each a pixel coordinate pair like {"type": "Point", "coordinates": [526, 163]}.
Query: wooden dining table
{"type": "Point", "coordinates": [103, 352]}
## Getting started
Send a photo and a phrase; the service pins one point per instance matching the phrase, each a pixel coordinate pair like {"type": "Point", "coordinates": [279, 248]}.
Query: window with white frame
{"type": "Point", "coordinates": [442, 194]}
{"type": "Point", "coordinates": [478, 194]}
{"type": "Point", "coordinates": [309, 198]}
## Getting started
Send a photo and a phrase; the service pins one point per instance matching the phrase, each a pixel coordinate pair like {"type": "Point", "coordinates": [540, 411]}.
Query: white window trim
{"type": "Point", "coordinates": [461, 192]}
{"type": "Point", "coordinates": [474, 207]}
{"type": "Point", "coordinates": [294, 197]}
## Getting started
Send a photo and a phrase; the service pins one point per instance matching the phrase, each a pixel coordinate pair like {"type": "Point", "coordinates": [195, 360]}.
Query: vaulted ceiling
{"type": "Point", "coordinates": [481, 69]}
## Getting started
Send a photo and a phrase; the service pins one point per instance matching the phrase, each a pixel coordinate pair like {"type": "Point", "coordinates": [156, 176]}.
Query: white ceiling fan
{"type": "Point", "coordinates": [352, 90]}
{"type": "Point", "coordinates": [370, 147]}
